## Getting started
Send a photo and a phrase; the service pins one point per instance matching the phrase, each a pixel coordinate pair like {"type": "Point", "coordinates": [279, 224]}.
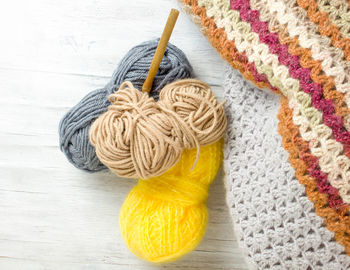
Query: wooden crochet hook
{"type": "Point", "coordinates": [163, 42]}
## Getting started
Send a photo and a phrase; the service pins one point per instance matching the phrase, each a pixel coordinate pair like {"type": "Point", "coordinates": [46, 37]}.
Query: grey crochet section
{"type": "Point", "coordinates": [75, 124]}
{"type": "Point", "coordinates": [275, 222]}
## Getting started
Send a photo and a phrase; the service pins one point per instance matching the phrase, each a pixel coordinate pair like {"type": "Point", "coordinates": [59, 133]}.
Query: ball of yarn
{"type": "Point", "coordinates": [75, 125]}
{"type": "Point", "coordinates": [133, 138]}
{"type": "Point", "coordinates": [197, 106]}
{"type": "Point", "coordinates": [141, 138]}
{"type": "Point", "coordinates": [165, 217]}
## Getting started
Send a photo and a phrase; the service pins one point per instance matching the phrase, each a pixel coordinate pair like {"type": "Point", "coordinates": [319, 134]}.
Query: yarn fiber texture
{"type": "Point", "coordinates": [75, 124]}
{"type": "Point", "coordinates": [141, 138]}
{"type": "Point", "coordinates": [299, 49]}
{"type": "Point", "coordinates": [165, 217]}
{"type": "Point", "coordinates": [276, 218]}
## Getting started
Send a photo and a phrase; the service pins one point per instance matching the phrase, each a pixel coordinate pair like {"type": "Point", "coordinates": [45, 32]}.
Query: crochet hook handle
{"type": "Point", "coordinates": [163, 42]}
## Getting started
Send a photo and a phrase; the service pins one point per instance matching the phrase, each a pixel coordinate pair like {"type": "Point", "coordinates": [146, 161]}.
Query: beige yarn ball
{"type": "Point", "coordinates": [134, 137]}
{"type": "Point", "coordinates": [196, 104]}
{"type": "Point", "coordinates": [141, 138]}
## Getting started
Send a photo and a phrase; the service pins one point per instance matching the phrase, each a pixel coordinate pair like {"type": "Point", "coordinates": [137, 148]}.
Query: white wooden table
{"type": "Point", "coordinates": [53, 216]}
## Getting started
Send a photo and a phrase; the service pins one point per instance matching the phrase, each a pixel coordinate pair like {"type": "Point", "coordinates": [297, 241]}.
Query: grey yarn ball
{"type": "Point", "coordinates": [75, 124]}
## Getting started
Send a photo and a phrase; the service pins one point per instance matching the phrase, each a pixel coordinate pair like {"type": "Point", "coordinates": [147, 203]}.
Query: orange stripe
{"type": "Point", "coordinates": [227, 48]}
{"type": "Point", "coordinates": [336, 221]}
{"type": "Point", "coordinates": [317, 75]}
{"type": "Point", "coordinates": [325, 26]}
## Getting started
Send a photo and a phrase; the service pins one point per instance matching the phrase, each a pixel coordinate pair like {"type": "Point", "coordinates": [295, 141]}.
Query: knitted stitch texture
{"type": "Point", "coordinates": [276, 223]}
{"type": "Point", "coordinates": [300, 49]}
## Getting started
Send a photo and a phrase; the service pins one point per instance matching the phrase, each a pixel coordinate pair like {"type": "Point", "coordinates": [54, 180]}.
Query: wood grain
{"type": "Point", "coordinates": [54, 216]}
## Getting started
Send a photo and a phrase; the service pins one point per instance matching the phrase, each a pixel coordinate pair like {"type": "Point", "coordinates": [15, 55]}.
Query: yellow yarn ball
{"type": "Point", "coordinates": [165, 217]}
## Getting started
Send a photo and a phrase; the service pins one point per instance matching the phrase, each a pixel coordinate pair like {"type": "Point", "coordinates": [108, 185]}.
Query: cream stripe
{"type": "Point", "coordinates": [339, 14]}
{"type": "Point", "coordinates": [329, 151]}
{"type": "Point", "coordinates": [331, 57]}
{"type": "Point", "coordinates": [278, 13]}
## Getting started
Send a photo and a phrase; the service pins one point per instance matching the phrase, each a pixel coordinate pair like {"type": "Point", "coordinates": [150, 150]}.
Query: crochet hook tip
{"type": "Point", "coordinates": [163, 42]}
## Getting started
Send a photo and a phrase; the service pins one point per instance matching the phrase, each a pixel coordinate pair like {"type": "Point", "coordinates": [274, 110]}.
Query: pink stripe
{"type": "Point", "coordinates": [330, 119]}
{"type": "Point", "coordinates": [258, 77]}
{"type": "Point", "coordinates": [323, 185]}
{"type": "Point", "coordinates": [308, 86]}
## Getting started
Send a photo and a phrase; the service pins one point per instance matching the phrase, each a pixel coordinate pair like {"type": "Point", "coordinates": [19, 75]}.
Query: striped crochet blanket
{"type": "Point", "coordinates": [300, 49]}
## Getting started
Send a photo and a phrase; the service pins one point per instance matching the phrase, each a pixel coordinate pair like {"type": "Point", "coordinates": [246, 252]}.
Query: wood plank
{"type": "Point", "coordinates": [53, 215]}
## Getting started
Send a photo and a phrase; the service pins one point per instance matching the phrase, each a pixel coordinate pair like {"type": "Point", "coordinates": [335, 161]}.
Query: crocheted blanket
{"type": "Point", "coordinates": [300, 49]}
{"type": "Point", "coordinates": [276, 223]}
